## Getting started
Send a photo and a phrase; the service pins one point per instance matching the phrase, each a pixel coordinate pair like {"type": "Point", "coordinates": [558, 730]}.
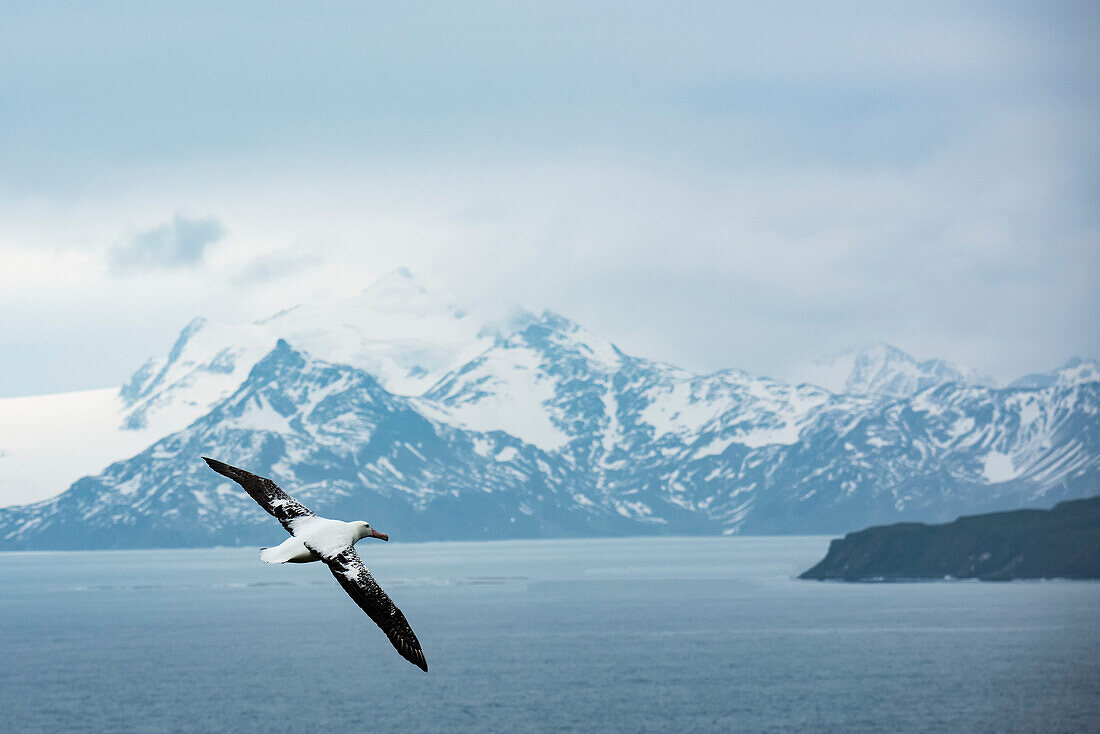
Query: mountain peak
{"type": "Point", "coordinates": [878, 368]}
{"type": "Point", "coordinates": [1075, 371]}
{"type": "Point", "coordinates": [553, 332]}
{"type": "Point", "coordinates": [872, 348]}
{"type": "Point", "coordinates": [399, 330]}
{"type": "Point", "coordinates": [281, 356]}
{"type": "Point", "coordinates": [402, 293]}
{"type": "Point", "coordinates": [554, 320]}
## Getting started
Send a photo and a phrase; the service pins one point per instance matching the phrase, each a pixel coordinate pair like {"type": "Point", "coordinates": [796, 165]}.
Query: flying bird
{"type": "Point", "coordinates": [315, 538]}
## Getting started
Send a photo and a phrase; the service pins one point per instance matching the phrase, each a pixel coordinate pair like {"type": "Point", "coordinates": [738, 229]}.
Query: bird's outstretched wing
{"type": "Point", "coordinates": [267, 494]}
{"type": "Point", "coordinates": [348, 568]}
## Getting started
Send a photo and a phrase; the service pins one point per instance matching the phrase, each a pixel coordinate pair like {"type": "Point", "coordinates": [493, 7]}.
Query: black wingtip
{"type": "Point", "coordinates": [225, 469]}
{"type": "Point", "coordinates": [216, 465]}
{"type": "Point", "coordinates": [413, 654]}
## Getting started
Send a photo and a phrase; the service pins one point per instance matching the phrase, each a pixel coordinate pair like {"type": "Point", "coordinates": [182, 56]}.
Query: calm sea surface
{"type": "Point", "coordinates": [624, 635]}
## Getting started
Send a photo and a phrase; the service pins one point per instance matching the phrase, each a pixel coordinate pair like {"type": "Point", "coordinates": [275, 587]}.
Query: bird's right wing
{"type": "Point", "coordinates": [348, 568]}
{"type": "Point", "coordinates": [267, 494]}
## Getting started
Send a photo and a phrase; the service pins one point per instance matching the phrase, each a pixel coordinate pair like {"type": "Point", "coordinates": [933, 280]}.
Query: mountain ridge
{"type": "Point", "coordinates": [660, 448]}
{"type": "Point", "coordinates": [881, 369]}
{"type": "Point", "coordinates": [643, 448]}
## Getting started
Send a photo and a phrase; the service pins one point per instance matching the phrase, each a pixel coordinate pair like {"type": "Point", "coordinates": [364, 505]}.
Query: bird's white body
{"type": "Point", "coordinates": [324, 535]}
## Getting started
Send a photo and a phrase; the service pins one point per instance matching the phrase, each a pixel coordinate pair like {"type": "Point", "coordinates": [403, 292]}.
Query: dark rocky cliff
{"type": "Point", "coordinates": [1063, 542]}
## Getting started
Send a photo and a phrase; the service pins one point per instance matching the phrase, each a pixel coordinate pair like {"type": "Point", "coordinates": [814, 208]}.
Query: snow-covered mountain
{"type": "Point", "coordinates": [549, 430]}
{"type": "Point", "coordinates": [346, 445]}
{"type": "Point", "coordinates": [557, 386]}
{"type": "Point", "coordinates": [403, 333]}
{"type": "Point", "coordinates": [882, 370]}
{"type": "Point", "coordinates": [950, 450]}
{"type": "Point", "coordinates": [1076, 371]}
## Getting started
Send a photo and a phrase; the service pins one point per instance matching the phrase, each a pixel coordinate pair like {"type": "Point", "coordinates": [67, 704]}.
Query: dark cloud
{"type": "Point", "coordinates": [180, 243]}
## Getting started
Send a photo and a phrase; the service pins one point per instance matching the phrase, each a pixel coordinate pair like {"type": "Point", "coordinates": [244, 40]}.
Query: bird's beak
{"type": "Point", "coordinates": [375, 534]}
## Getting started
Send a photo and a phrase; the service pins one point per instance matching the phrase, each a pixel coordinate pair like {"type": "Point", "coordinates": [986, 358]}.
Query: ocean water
{"type": "Point", "coordinates": [622, 635]}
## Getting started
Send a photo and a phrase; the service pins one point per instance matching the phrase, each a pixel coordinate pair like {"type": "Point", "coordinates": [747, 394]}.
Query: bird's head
{"type": "Point", "coordinates": [366, 531]}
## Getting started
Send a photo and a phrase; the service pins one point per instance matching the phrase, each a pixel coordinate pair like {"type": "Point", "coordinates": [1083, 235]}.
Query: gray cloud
{"type": "Point", "coordinates": [177, 244]}
{"type": "Point", "coordinates": [726, 185]}
{"type": "Point", "coordinates": [274, 266]}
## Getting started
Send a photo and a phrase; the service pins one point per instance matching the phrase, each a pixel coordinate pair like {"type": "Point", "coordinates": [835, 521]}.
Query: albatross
{"type": "Point", "coordinates": [315, 538]}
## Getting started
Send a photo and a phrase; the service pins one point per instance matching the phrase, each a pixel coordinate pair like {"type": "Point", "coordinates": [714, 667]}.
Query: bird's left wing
{"type": "Point", "coordinates": [348, 568]}
{"type": "Point", "coordinates": [267, 494]}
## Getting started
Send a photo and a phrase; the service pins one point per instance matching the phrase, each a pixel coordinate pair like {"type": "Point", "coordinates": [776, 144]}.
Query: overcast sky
{"type": "Point", "coordinates": [715, 185]}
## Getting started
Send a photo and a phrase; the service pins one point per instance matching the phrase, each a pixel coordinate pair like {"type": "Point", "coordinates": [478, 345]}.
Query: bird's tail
{"type": "Point", "coordinates": [291, 551]}
{"type": "Point", "coordinates": [272, 555]}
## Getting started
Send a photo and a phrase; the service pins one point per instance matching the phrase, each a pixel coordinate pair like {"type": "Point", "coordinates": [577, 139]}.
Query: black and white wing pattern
{"type": "Point", "coordinates": [267, 494]}
{"type": "Point", "coordinates": [348, 568]}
